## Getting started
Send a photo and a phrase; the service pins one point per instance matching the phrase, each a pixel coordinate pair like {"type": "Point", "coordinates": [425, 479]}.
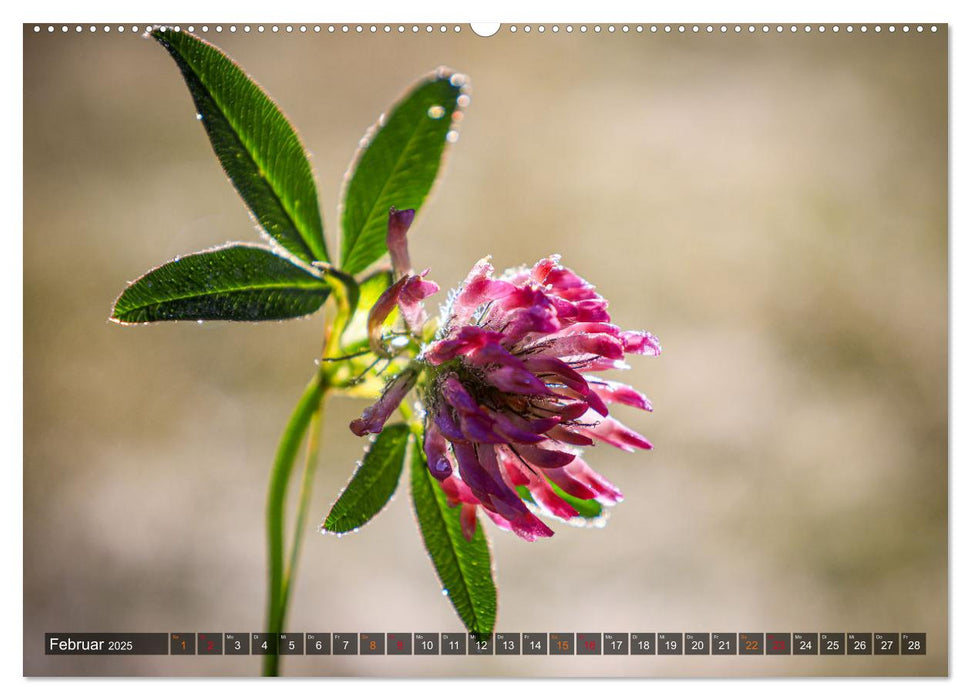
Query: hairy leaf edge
{"type": "Point", "coordinates": [311, 272]}
{"type": "Point", "coordinates": [437, 74]}
{"type": "Point", "coordinates": [158, 34]}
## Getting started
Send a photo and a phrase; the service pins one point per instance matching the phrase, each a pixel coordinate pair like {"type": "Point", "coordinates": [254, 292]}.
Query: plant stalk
{"type": "Point", "coordinates": [307, 416]}
{"type": "Point", "coordinates": [307, 407]}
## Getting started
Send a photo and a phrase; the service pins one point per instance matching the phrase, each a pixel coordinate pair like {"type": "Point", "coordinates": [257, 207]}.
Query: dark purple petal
{"type": "Point", "coordinates": [376, 415]}
{"type": "Point", "coordinates": [478, 427]}
{"type": "Point", "coordinates": [543, 458]}
{"type": "Point", "coordinates": [482, 484]}
{"type": "Point", "coordinates": [546, 366]}
{"type": "Point", "coordinates": [508, 429]}
{"type": "Point", "coordinates": [563, 411]}
{"type": "Point", "coordinates": [516, 381]}
{"type": "Point", "coordinates": [561, 434]}
{"type": "Point", "coordinates": [450, 429]}
{"type": "Point", "coordinates": [458, 396]}
{"type": "Point", "coordinates": [492, 353]}
{"type": "Point", "coordinates": [436, 452]}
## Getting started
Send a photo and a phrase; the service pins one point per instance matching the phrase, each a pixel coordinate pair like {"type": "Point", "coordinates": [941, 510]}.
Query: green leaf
{"type": "Point", "coordinates": [255, 143]}
{"type": "Point", "coordinates": [588, 510]}
{"type": "Point", "coordinates": [238, 282]}
{"type": "Point", "coordinates": [397, 166]}
{"type": "Point", "coordinates": [464, 568]}
{"type": "Point", "coordinates": [373, 483]}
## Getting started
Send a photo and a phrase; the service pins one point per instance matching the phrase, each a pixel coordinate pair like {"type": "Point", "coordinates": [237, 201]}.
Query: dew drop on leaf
{"type": "Point", "coordinates": [436, 111]}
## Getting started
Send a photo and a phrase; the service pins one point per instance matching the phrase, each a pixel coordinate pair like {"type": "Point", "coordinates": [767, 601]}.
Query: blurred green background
{"type": "Point", "coordinates": [773, 207]}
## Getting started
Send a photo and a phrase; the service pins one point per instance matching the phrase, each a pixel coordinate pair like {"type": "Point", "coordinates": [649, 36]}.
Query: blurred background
{"type": "Point", "coordinates": [773, 207]}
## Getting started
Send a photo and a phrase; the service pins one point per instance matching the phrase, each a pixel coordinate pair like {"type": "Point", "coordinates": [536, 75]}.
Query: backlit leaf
{"type": "Point", "coordinates": [464, 568]}
{"type": "Point", "coordinates": [238, 282]}
{"type": "Point", "coordinates": [397, 166]}
{"type": "Point", "coordinates": [373, 483]}
{"type": "Point", "coordinates": [255, 143]}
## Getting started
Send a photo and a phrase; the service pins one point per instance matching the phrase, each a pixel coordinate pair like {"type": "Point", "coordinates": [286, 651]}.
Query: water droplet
{"type": "Point", "coordinates": [199, 321]}
{"type": "Point", "coordinates": [452, 136]}
{"type": "Point", "coordinates": [357, 529]}
{"type": "Point", "coordinates": [458, 80]}
{"type": "Point", "coordinates": [199, 116]}
{"type": "Point", "coordinates": [436, 111]}
{"type": "Point", "coordinates": [444, 591]}
{"type": "Point", "coordinates": [339, 535]}
{"type": "Point", "coordinates": [463, 101]}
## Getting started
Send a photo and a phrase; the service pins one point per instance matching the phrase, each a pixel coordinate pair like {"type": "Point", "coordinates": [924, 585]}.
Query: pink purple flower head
{"type": "Point", "coordinates": [508, 389]}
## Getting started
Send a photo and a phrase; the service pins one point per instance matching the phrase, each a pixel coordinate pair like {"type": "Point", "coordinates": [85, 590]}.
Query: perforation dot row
{"type": "Point", "coordinates": [720, 28]}
{"type": "Point", "coordinates": [541, 29]}
{"type": "Point", "coordinates": [259, 28]}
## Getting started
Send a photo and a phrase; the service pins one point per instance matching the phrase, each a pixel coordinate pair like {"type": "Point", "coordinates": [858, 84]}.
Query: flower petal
{"type": "Point", "coordinates": [377, 414]}
{"type": "Point", "coordinates": [615, 433]}
{"type": "Point", "coordinates": [641, 343]}
{"type": "Point", "coordinates": [413, 292]}
{"type": "Point", "coordinates": [436, 452]}
{"type": "Point", "coordinates": [468, 520]}
{"type": "Point", "coordinates": [543, 458]}
{"type": "Point", "coordinates": [615, 392]}
{"type": "Point", "coordinates": [515, 380]}
{"type": "Point", "coordinates": [379, 312]}
{"type": "Point", "coordinates": [398, 224]}
{"type": "Point", "coordinates": [479, 288]}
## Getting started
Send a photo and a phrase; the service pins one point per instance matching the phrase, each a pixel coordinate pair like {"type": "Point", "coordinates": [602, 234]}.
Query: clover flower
{"type": "Point", "coordinates": [507, 388]}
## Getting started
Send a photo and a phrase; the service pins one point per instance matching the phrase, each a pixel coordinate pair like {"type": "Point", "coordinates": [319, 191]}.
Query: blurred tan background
{"type": "Point", "coordinates": [773, 207]}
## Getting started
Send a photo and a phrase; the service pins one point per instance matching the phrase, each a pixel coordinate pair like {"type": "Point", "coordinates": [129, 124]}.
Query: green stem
{"type": "Point", "coordinates": [303, 506]}
{"type": "Point", "coordinates": [302, 416]}
{"type": "Point", "coordinates": [307, 415]}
